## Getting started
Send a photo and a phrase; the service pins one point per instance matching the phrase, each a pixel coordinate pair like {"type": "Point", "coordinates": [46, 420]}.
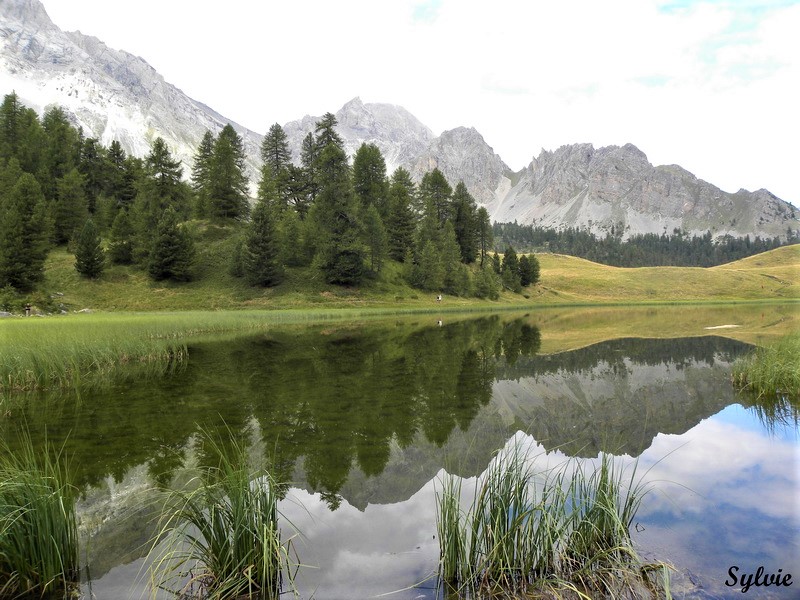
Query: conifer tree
{"type": "Point", "coordinates": [61, 150]}
{"type": "Point", "coordinates": [510, 270]}
{"type": "Point", "coordinates": [429, 273]}
{"type": "Point", "coordinates": [528, 270]}
{"type": "Point", "coordinates": [339, 252]}
{"type": "Point", "coordinates": [496, 264]}
{"type": "Point", "coordinates": [308, 159]}
{"type": "Point", "coordinates": [483, 227]}
{"type": "Point", "coordinates": [92, 165]}
{"type": "Point", "coordinates": [401, 222]}
{"type": "Point", "coordinates": [375, 237]}
{"type": "Point", "coordinates": [201, 174]}
{"type": "Point", "coordinates": [69, 210]}
{"type": "Point", "coordinates": [24, 233]}
{"type": "Point", "coordinates": [10, 112]}
{"type": "Point", "coordinates": [261, 249]}
{"type": "Point", "coordinates": [229, 184]}
{"type": "Point", "coordinates": [172, 252]}
{"type": "Point", "coordinates": [89, 253]}
{"type": "Point", "coordinates": [276, 155]}
{"type": "Point", "coordinates": [435, 193]}
{"type": "Point", "coordinates": [120, 247]}
{"type": "Point", "coordinates": [369, 179]}
{"type": "Point", "coordinates": [465, 217]}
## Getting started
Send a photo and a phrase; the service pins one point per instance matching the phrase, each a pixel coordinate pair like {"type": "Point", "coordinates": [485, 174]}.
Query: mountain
{"type": "Point", "coordinates": [110, 93]}
{"type": "Point", "coordinates": [597, 189]}
{"type": "Point", "coordinates": [115, 95]}
{"type": "Point", "coordinates": [399, 135]}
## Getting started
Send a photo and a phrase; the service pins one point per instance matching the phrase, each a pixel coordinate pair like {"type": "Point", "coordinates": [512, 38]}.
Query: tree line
{"type": "Point", "coordinates": [643, 250]}
{"type": "Point", "coordinates": [345, 220]}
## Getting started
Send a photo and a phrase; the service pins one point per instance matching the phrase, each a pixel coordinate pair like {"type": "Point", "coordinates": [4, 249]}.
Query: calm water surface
{"type": "Point", "coordinates": [362, 418]}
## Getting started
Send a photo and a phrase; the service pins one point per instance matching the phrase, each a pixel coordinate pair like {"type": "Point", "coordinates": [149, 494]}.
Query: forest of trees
{"type": "Point", "coordinates": [346, 220]}
{"type": "Point", "coordinates": [643, 250]}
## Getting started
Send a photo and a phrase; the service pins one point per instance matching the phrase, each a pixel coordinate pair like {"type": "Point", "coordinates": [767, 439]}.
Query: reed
{"type": "Point", "coordinates": [772, 370]}
{"type": "Point", "coordinates": [561, 533]}
{"type": "Point", "coordinates": [222, 541]}
{"type": "Point", "coordinates": [38, 525]}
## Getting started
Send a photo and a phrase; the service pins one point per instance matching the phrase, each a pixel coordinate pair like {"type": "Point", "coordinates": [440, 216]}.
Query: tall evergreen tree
{"type": "Point", "coordinates": [89, 253]}
{"type": "Point", "coordinates": [339, 253]}
{"type": "Point", "coordinates": [369, 179]}
{"type": "Point", "coordinates": [162, 186]}
{"type": "Point", "coordinates": [229, 184]}
{"type": "Point", "coordinates": [510, 270]}
{"type": "Point", "coordinates": [120, 247]}
{"type": "Point", "coordinates": [201, 174]}
{"type": "Point", "coordinates": [401, 221]}
{"type": "Point", "coordinates": [436, 193]}
{"type": "Point", "coordinates": [308, 159]}
{"type": "Point", "coordinates": [528, 270]}
{"type": "Point", "coordinates": [483, 228]}
{"type": "Point", "coordinates": [261, 250]}
{"type": "Point", "coordinates": [24, 234]}
{"type": "Point", "coordinates": [375, 237]}
{"type": "Point", "coordinates": [10, 112]}
{"type": "Point", "coordinates": [172, 253]}
{"type": "Point", "coordinates": [61, 151]}
{"type": "Point", "coordinates": [69, 210]}
{"type": "Point", "coordinates": [276, 155]}
{"type": "Point", "coordinates": [92, 165]}
{"type": "Point", "coordinates": [465, 222]}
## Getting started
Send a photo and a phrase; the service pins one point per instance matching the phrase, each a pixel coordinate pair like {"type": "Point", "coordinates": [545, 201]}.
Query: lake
{"type": "Point", "coordinates": [363, 418]}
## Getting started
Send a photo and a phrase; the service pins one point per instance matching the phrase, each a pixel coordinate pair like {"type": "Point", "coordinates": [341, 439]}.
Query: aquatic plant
{"type": "Point", "coordinates": [772, 370]}
{"type": "Point", "coordinates": [221, 540]}
{"type": "Point", "coordinates": [553, 534]}
{"type": "Point", "coordinates": [38, 525]}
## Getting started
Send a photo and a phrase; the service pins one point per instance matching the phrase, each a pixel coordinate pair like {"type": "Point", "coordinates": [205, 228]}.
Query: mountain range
{"type": "Point", "coordinates": [113, 94]}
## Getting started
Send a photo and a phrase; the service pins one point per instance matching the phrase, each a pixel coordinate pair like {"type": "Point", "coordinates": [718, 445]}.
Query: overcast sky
{"type": "Point", "coordinates": [711, 85]}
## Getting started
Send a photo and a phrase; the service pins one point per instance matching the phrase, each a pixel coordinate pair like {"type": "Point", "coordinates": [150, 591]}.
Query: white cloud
{"type": "Point", "coordinates": [707, 85]}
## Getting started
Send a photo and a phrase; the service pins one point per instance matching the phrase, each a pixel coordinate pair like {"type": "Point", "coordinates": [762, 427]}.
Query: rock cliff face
{"type": "Point", "coordinates": [115, 95]}
{"type": "Point", "coordinates": [400, 136]}
{"type": "Point", "coordinates": [597, 189]}
{"type": "Point", "coordinates": [110, 93]}
{"type": "Point", "coordinates": [462, 154]}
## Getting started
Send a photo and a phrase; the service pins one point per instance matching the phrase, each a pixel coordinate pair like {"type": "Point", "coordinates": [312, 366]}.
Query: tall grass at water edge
{"type": "Point", "coordinates": [221, 540]}
{"type": "Point", "coordinates": [772, 370]}
{"type": "Point", "coordinates": [38, 525]}
{"type": "Point", "coordinates": [554, 534]}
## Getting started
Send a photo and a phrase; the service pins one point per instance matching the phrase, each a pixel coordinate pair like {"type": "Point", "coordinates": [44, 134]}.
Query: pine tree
{"type": "Point", "coordinates": [24, 233]}
{"type": "Point", "coordinates": [10, 112]}
{"type": "Point", "coordinates": [401, 221]}
{"type": "Point", "coordinates": [528, 270]}
{"type": "Point", "coordinates": [261, 250]}
{"type": "Point", "coordinates": [375, 237]}
{"type": "Point", "coordinates": [229, 184]}
{"type": "Point", "coordinates": [429, 273]}
{"type": "Point", "coordinates": [369, 179]}
{"type": "Point", "coordinates": [483, 227]}
{"type": "Point", "coordinates": [510, 270]}
{"type": "Point", "coordinates": [172, 252]}
{"type": "Point", "coordinates": [276, 155]}
{"type": "Point", "coordinates": [308, 159]}
{"type": "Point", "coordinates": [339, 253]}
{"type": "Point", "coordinates": [69, 211]}
{"type": "Point", "coordinates": [201, 174]}
{"type": "Point", "coordinates": [487, 284]}
{"type": "Point", "coordinates": [92, 165]}
{"type": "Point", "coordinates": [450, 257]}
{"type": "Point", "coordinates": [89, 253]}
{"type": "Point", "coordinates": [435, 193]}
{"type": "Point", "coordinates": [465, 218]}
{"type": "Point", "coordinates": [61, 152]}
{"type": "Point", "coordinates": [496, 265]}
{"type": "Point", "coordinates": [120, 247]}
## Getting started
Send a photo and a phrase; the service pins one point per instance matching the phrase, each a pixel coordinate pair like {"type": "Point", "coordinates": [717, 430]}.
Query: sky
{"type": "Point", "coordinates": [711, 85]}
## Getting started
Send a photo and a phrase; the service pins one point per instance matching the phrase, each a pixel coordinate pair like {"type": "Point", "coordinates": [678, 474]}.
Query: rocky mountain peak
{"type": "Point", "coordinates": [28, 12]}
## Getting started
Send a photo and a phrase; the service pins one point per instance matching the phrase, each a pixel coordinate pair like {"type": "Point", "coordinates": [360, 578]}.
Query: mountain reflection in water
{"type": "Point", "coordinates": [361, 419]}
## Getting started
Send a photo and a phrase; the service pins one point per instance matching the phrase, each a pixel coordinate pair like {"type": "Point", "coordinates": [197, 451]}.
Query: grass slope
{"type": "Point", "coordinates": [564, 280]}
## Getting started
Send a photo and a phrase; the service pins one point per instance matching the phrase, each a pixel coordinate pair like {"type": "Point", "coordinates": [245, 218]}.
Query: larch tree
{"type": "Point", "coordinates": [401, 220]}
{"type": "Point", "coordinates": [201, 174]}
{"type": "Point", "coordinates": [369, 179]}
{"type": "Point", "coordinates": [228, 194]}
{"type": "Point", "coordinates": [89, 253]}
{"type": "Point", "coordinates": [24, 233]}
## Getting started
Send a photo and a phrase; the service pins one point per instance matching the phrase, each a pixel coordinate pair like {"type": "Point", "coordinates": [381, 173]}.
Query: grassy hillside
{"type": "Point", "coordinates": [564, 280]}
